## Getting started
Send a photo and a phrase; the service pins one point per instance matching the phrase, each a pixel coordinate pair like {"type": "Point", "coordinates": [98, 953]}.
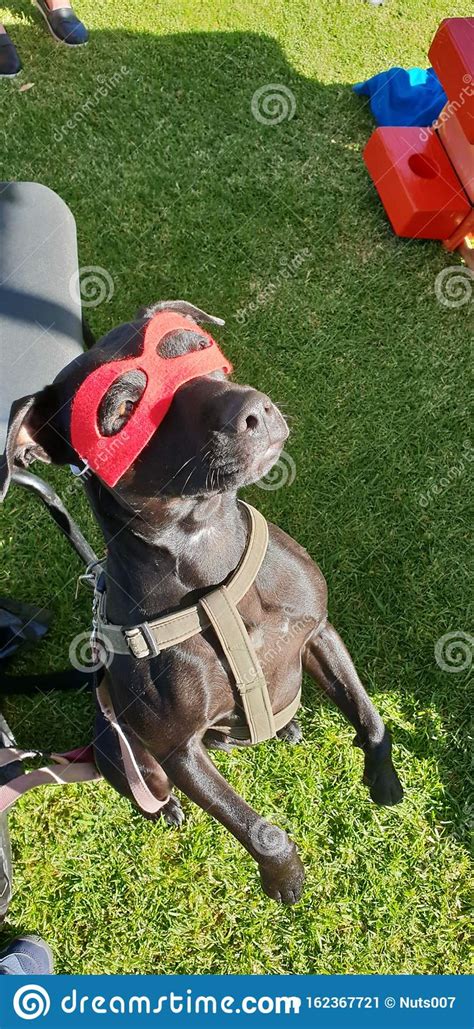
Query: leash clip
{"type": "Point", "coordinates": [90, 577]}
{"type": "Point", "coordinates": [78, 472]}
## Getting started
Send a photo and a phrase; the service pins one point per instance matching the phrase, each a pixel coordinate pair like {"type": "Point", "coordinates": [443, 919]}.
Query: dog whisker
{"type": "Point", "coordinates": [181, 469]}
{"type": "Point", "coordinates": [193, 469]}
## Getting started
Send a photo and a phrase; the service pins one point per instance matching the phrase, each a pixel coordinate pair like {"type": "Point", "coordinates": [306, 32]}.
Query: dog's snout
{"type": "Point", "coordinates": [246, 411]}
{"type": "Point", "coordinates": [252, 413]}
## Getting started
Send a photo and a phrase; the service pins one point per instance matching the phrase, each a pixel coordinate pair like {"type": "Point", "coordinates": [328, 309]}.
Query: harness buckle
{"type": "Point", "coordinates": [141, 641]}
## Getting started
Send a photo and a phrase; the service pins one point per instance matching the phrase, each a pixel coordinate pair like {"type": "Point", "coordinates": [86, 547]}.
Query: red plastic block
{"type": "Point", "coordinates": [416, 182]}
{"type": "Point", "coordinates": [452, 56]}
{"type": "Point", "coordinates": [458, 148]}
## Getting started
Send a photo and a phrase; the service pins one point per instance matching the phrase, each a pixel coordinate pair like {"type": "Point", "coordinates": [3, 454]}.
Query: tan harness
{"type": "Point", "coordinates": [219, 610]}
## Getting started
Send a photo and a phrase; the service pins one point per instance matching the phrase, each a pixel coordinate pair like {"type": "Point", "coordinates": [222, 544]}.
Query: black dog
{"type": "Point", "coordinates": [174, 530]}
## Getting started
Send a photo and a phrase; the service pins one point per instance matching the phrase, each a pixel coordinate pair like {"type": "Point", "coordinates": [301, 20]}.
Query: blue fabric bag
{"type": "Point", "coordinates": [404, 96]}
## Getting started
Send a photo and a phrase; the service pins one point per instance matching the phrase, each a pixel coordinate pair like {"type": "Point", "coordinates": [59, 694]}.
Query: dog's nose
{"type": "Point", "coordinates": [246, 411]}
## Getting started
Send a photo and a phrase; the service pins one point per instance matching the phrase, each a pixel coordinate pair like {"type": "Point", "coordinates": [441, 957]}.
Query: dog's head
{"type": "Point", "coordinates": [215, 435]}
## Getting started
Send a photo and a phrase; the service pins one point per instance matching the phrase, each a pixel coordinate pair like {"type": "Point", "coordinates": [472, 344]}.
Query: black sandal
{"type": "Point", "coordinates": [10, 63]}
{"type": "Point", "coordinates": [64, 25]}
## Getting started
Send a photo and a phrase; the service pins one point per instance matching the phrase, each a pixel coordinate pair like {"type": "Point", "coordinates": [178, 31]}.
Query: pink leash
{"type": "Point", "coordinates": [142, 795]}
{"type": "Point", "coordinates": [67, 768]}
{"type": "Point", "coordinates": [77, 766]}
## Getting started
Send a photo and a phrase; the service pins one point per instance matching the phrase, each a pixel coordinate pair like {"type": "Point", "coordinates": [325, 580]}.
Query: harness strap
{"type": "Point", "coordinates": [246, 669]}
{"type": "Point", "coordinates": [149, 638]}
{"type": "Point", "coordinates": [281, 719]}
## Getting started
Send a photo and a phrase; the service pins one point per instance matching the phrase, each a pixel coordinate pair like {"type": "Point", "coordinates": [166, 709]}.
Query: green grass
{"type": "Point", "coordinates": [179, 191]}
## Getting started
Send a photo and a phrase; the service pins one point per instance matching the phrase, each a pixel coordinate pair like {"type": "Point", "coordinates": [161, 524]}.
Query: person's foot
{"type": "Point", "coordinates": [62, 23]}
{"type": "Point", "coordinates": [10, 63]}
{"type": "Point", "coordinates": [28, 955]}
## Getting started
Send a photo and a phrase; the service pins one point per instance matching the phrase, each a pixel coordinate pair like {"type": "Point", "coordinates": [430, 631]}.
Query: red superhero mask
{"type": "Point", "coordinates": [111, 456]}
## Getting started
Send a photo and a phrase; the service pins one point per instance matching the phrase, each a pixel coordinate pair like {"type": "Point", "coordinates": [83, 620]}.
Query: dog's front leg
{"type": "Point", "coordinates": [281, 870]}
{"type": "Point", "coordinates": [109, 761]}
{"type": "Point", "coordinates": [329, 663]}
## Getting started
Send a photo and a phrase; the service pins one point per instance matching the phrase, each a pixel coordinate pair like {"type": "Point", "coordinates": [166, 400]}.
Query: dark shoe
{"type": "Point", "coordinates": [10, 63]}
{"type": "Point", "coordinates": [28, 955]}
{"type": "Point", "coordinates": [63, 25]}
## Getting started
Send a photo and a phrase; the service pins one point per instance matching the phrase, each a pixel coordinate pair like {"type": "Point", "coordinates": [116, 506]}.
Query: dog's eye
{"type": "Point", "coordinates": [120, 417]}
{"type": "Point", "coordinates": [116, 408]}
{"type": "Point", "coordinates": [123, 414]}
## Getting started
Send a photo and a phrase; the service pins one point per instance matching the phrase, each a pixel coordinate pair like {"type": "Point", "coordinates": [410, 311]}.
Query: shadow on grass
{"type": "Point", "coordinates": [190, 174]}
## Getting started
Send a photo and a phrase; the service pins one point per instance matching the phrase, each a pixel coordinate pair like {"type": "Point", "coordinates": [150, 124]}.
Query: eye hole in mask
{"type": "Point", "coordinates": [120, 401]}
{"type": "Point", "coordinates": [174, 344]}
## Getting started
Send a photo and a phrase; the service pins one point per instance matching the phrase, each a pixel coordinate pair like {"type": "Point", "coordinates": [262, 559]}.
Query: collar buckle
{"type": "Point", "coordinates": [141, 641]}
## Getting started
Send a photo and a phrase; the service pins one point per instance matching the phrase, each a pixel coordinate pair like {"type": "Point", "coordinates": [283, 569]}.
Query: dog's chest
{"type": "Point", "coordinates": [270, 636]}
{"type": "Point", "coordinates": [277, 639]}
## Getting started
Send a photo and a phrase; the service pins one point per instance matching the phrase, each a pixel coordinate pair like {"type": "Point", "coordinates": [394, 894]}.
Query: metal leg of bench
{"type": "Point", "coordinates": [58, 512]}
{"type": "Point", "coordinates": [8, 772]}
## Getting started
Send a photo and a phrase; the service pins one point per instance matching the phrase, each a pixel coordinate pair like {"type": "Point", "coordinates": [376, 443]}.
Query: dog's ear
{"type": "Point", "coordinates": [33, 435]}
{"type": "Point", "coordinates": [182, 307]}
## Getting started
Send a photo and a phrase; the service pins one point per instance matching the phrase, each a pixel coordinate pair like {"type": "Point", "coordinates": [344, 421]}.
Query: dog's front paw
{"type": "Point", "coordinates": [285, 884]}
{"type": "Point", "coordinates": [380, 776]}
{"type": "Point", "coordinates": [384, 785]}
{"type": "Point", "coordinates": [283, 880]}
{"type": "Point", "coordinates": [172, 813]}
